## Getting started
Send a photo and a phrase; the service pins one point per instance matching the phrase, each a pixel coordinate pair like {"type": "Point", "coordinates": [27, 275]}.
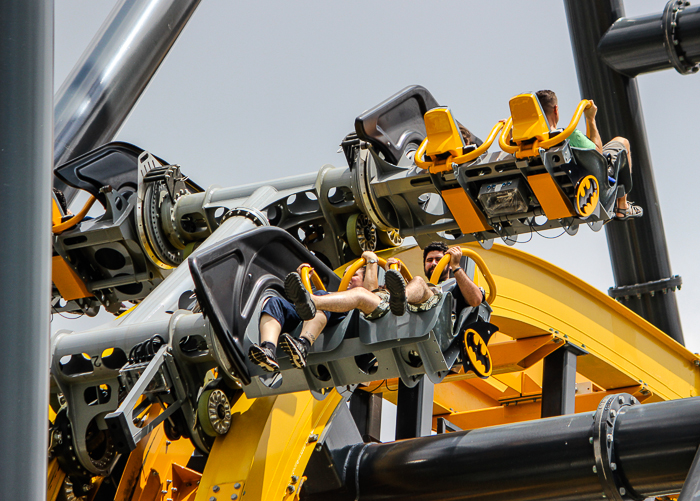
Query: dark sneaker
{"type": "Point", "coordinates": [264, 357]}
{"type": "Point", "coordinates": [296, 350]}
{"type": "Point", "coordinates": [297, 294]}
{"type": "Point", "coordinates": [397, 292]}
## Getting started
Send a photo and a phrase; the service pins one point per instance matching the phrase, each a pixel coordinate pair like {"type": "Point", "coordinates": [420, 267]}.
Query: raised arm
{"type": "Point", "coordinates": [472, 294]}
{"type": "Point", "coordinates": [592, 127]}
{"type": "Point", "coordinates": [371, 281]}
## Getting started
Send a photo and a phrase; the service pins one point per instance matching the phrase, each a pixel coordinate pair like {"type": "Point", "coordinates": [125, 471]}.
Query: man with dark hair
{"type": "Point", "coordinates": [466, 292]}
{"type": "Point", "coordinates": [550, 105]}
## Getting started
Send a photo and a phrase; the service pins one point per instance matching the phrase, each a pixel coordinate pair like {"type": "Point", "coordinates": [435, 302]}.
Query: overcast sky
{"type": "Point", "coordinates": [261, 90]}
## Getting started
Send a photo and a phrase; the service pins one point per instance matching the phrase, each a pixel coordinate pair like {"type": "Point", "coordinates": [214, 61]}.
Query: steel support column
{"type": "Point", "coordinates": [26, 157]}
{"type": "Point", "coordinates": [559, 383]}
{"type": "Point", "coordinates": [366, 410]}
{"type": "Point", "coordinates": [105, 84]}
{"type": "Point", "coordinates": [638, 249]}
{"type": "Point", "coordinates": [414, 410]}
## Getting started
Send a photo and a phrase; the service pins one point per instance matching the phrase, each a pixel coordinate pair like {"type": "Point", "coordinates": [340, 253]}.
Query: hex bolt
{"type": "Point", "coordinates": [295, 479]}
{"type": "Point", "coordinates": [212, 498]}
{"type": "Point", "coordinates": [234, 496]}
{"type": "Point", "coordinates": [237, 485]}
{"type": "Point", "coordinates": [590, 440]}
{"type": "Point", "coordinates": [290, 489]}
{"type": "Point", "coordinates": [215, 488]}
{"type": "Point", "coordinates": [595, 470]}
{"type": "Point", "coordinates": [313, 438]}
{"type": "Point", "coordinates": [168, 442]}
{"type": "Point", "coordinates": [622, 491]}
{"type": "Point", "coordinates": [163, 492]}
{"type": "Point", "coordinates": [621, 399]}
{"type": "Point", "coordinates": [613, 412]}
{"type": "Point", "coordinates": [613, 466]}
{"type": "Point", "coordinates": [174, 489]}
{"type": "Point", "coordinates": [696, 363]}
{"type": "Point", "coordinates": [610, 437]}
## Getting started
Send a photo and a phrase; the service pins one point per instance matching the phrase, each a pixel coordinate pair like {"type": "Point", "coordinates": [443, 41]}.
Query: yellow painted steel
{"type": "Point", "coordinates": [468, 215]}
{"type": "Point", "coordinates": [264, 455]}
{"type": "Point", "coordinates": [158, 465]}
{"type": "Point", "coordinates": [551, 197]}
{"type": "Point", "coordinates": [67, 281]}
{"type": "Point", "coordinates": [55, 480]}
{"type": "Point", "coordinates": [537, 298]}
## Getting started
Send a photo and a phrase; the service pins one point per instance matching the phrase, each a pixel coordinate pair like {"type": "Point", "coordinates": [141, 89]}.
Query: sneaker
{"type": "Point", "coordinates": [297, 294]}
{"type": "Point", "coordinates": [296, 349]}
{"type": "Point", "coordinates": [397, 292]}
{"type": "Point", "coordinates": [264, 357]}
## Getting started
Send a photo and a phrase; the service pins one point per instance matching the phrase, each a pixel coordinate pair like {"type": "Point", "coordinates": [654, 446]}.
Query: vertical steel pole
{"type": "Point", "coordinates": [638, 250]}
{"type": "Point", "coordinates": [26, 157]}
{"type": "Point", "coordinates": [414, 409]}
{"type": "Point", "coordinates": [559, 383]}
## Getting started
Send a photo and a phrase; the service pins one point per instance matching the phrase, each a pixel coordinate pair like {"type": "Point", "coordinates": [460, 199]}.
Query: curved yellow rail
{"type": "Point", "coordinates": [537, 298]}
{"type": "Point", "coordinates": [467, 157]}
{"type": "Point", "coordinates": [435, 277]}
{"type": "Point", "coordinates": [361, 262]}
{"type": "Point", "coordinates": [502, 140]}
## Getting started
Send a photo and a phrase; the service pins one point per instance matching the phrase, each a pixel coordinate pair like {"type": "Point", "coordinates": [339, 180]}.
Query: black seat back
{"type": "Point", "coordinates": [231, 278]}
{"type": "Point", "coordinates": [394, 123]}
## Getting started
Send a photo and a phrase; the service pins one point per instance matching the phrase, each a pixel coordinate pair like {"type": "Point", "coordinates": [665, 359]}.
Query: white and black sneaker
{"type": "Point", "coordinates": [264, 356]}
{"type": "Point", "coordinates": [297, 349]}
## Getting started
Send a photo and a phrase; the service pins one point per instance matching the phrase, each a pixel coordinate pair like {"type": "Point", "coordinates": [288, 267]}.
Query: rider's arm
{"type": "Point", "coordinates": [594, 135]}
{"type": "Point", "coordinates": [472, 294]}
{"type": "Point", "coordinates": [371, 281]}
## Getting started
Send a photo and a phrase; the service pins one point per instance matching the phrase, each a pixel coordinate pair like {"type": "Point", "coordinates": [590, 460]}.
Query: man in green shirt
{"type": "Point", "coordinates": [550, 105]}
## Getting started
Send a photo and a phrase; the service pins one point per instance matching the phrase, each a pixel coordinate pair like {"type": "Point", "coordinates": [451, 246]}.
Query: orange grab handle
{"type": "Point", "coordinates": [435, 277]}
{"type": "Point", "coordinates": [308, 275]}
{"type": "Point", "coordinates": [361, 262]}
{"type": "Point", "coordinates": [75, 219]}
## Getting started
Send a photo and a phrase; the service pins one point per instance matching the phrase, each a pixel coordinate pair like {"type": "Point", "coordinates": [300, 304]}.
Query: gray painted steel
{"type": "Point", "coordinates": [638, 249]}
{"type": "Point", "coordinates": [26, 116]}
{"type": "Point", "coordinates": [103, 87]}
{"type": "Point", "coordinates": [559, 383]}
{"type": "Point", "coordinates": [414, 410]}
{"type": "Point", "coordinates": [669, 39]}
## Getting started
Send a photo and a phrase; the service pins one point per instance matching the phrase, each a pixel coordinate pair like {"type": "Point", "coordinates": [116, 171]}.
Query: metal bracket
{"type": "Point", "coordinates": [669, 22]}
{"type": "Point", "coordinates": [121, 422]}
{"type": "Point", "coordinates": [651, 287]}
{"type": "Point", "coordinates": [254, 215]}
{"type": "Point", "coordinates": [603, 440]}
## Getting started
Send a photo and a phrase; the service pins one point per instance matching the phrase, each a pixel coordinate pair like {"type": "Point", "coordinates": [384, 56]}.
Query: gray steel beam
{"type": "Point", "coordinates": [105, 84]}
{"type": "Point", "coordinates": [414, 409]}
{"type": "Point", "coordinates": [26, 118]}
{"type": "Point", "coordinates": [366, 410]}
{"type": "Point", "coordinates": [559, 383]}
{"type": "Point", "coordinates": [669, 39]}
{"type": "Point", "coordinates": [638, 249]}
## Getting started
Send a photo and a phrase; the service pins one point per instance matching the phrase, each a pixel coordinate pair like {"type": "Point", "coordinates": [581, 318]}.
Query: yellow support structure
{"type": "Point", "coordinates": [264, 454]}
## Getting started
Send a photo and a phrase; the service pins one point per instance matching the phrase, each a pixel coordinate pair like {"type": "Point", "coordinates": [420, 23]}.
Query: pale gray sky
{"type": "Point", "coordinates": [266, 89]}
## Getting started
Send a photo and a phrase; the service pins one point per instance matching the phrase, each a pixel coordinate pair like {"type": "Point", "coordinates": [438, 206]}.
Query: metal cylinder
{"type": "Point", "coordinates": [107, 81]}
{"type": "Point", "coordinates": [670, 39]}
{"type": "Point", "coordinates": [552, 458]}
{"type": "Point", "coordinates": [26, 118]}
{"type": "Point", "coordinates": [638, 250]}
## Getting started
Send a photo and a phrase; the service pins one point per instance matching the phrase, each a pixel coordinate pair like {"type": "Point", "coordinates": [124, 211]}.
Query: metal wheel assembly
{"type": "Point", "coordinates": [361, 234]}
{"type": "Point", "coordinates": [214, 412]}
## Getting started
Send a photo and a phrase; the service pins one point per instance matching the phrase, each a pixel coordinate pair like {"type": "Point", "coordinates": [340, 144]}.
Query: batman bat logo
{"type": "Point", "coordinates": [587, 196]}
{"type": "Point", "coordinates": [477, 353]}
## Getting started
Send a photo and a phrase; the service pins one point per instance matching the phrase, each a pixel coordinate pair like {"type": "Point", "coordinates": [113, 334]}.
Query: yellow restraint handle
{"type": "Point", "coordinates": [435, 277]}
{"type": "Point", "coordinates": [467, 157]}
{"type": "Point", "coordinates": [361, 262]}
{"type": "Point", "coordinates": [548, 143]}
{"type": "Point", "coordinates": [75, 219]}
{"type": "Point", "coordinates": [307, 274]}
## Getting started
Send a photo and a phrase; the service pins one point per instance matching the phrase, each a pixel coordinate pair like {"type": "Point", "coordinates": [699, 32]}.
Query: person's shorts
{"type": "Point", "coordinates": [429, 303]}
{"type": "Point", "coordinates": [611, 151]}
{"type": "Point", "coordinates": [286, 315]}
{"type": "Point", "coordinates": [383, 307]}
